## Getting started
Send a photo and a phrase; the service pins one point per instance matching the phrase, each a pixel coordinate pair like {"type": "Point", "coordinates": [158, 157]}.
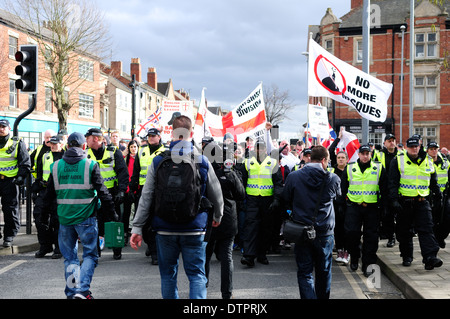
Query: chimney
{"type": "Point", "coordinates": [356, 3]}
{"type": "Point", "coordinates": [135, 68]}
{"type": "Point", "coordinates": [116, 68]}
{"type": "Point", "coordinates": [151, 78]}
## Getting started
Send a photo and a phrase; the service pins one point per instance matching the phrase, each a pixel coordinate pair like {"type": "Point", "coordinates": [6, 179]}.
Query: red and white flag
{"type": "Point", "coordinates": [247, 119]}
{"type": "Point", "coordinates": [350, 144]}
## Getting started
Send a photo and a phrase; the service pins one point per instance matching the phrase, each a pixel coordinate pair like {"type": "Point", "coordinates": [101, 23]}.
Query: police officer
{"type": "Point", "coordinates": [143, 160]}
{"type": "Point", "coordinates": [385, 155]}
{"type": "Point", "coordinates": [114, 172]}
{"type": "Point", "coordinates": [441, 209]}
{"type": "Point", "coordinates": [263, 187]}
{"type": "Point", "coordinates": [363, 182]}
{"type": "Point", "coordinates": [412, 179]}
{"type": "Point", "coordinates": [48, 234]}
{"type": "Point", "coordinates": [36, 155]}
{"type": "Point", "coordinates": [15, 165]}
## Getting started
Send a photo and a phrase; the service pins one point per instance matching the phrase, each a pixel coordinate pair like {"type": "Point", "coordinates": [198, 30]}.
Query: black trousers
{"type": "Point", "coordinates": [9, 193]}
{"type": "Point", "coordinates": [258, 226]}
{"type": "Point", "coordinates": [360, 220]}
{"type": "Point", "coordinates": [416, 216]}
{"type": "Point", "coordinates": [441, 220]}
{"type": "Point", "coordinates": [46, 237]}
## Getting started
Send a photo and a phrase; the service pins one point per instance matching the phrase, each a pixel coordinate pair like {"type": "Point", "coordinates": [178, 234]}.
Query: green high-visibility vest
{"type": "Point", "coordinates": [75, 196]}
{"type": "Point", "coordinates": [259, 181]}
{"type": "Point", "coordinates": [145, 160]}
{"type": "Point", "coordinates": [442, 172]}
{"type": "Point", "coordinates": [363, 187]}
{"type": "Point", "coordinates": [106, 164]}
{"type": "Point", "coordinates": [8, 158]}
{"type": "Point", "coordinates": [414, 178]}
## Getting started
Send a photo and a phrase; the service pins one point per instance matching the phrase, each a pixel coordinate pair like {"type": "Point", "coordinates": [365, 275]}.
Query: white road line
{"type": "Point", "coordinates": [351, 280]}
{"type": "Point", "coordinates": [13, 265]}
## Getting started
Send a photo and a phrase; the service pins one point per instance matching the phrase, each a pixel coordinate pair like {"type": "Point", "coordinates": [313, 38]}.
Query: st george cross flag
{"type": "Point", "coordinates": [152, 121]}
{"type": "Point", "coordinates": [350, 144]}
{"type": "Point", "coordinates": [331, 77]}
{"type": "Point", "coordinates": [247, 119]}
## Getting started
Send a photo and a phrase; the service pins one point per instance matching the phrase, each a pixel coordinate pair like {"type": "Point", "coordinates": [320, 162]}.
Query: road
{"type": "Point", "coordinates": [23, 276]}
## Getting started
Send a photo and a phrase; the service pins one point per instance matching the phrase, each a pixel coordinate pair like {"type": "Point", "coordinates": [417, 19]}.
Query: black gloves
{"type": "Point", "coordinates": [120, 197]}
{"type": "Point", "coordinates": [397, 207]}
{"type": "Point", "coordinates": [274, 206]}
{"type": "Point", "coordinates": [19, 181]}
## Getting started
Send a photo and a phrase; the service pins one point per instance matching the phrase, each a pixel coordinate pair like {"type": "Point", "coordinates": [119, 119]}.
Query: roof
{"type": "Point", "coordinates": [392, 12]}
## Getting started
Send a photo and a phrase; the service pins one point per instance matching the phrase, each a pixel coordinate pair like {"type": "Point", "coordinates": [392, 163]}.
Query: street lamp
{"type": "Point", "coordinates": [403, 28]}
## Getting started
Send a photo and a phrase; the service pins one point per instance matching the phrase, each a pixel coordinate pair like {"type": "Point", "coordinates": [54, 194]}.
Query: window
{"type": "Point", "coordinates": [86, 105]}
{"type": "Point", "coordinates": [426, 45]}
{"type": "Point", "coordinates": [376, 138]}
{"type": "Point", "coordinates": [428, 134]}
{"type": "Point", "coordinates": [12, 93]}
{"type": "Point", "coordinates": [359, 51]}
{"type": "Point", "coordinates": [425, 90]}
{"type": "Point", "coordinates": [13, 46]}
{"type": "Point", "coordinates": [86, 70]}
{"type": "Point", "coordinates": [329, 46]}
{"type": "Point", "coordinates": [48, 100]}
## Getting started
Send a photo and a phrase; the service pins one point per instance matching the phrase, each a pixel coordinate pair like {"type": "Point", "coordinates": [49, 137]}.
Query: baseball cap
{"type": "Point", "coordinates": [364, 148]}
{"type": "Point", "coordinates": [260, 144]}
{"type": "Point", "coordinates": [4, 122]}
{"type": "Point", "coordinates": [432, 144]}
{"type": "Point", "coordinates": [153, 131]}
{"type": "Point", "coordinates": [412, 141]}
{"type": "Point", "coordinates": [55, 139]}
{"type": "Point", "coordinates": [307, 151]}
{"type": "Point", "coordinates": [76, 139]}
{"type": "Point", "coordinates": [94, 131]}
{"type": "Point", "coordinates": [389, 136]}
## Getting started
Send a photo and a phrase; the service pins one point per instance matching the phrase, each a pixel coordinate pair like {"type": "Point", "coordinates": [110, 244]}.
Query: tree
{"type": "Point", "coordinates": [65, 31]}
{"type": "Point", "coordinates": [277, 104]}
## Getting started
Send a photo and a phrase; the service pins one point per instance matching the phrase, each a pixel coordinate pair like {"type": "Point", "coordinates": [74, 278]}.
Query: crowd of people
{"type": "Point", "coordinates": [233, 196]}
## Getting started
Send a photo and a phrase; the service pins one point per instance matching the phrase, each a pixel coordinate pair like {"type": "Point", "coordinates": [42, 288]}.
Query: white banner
{"type": "Point", "coordinates": [171, 110]}
{"type": "Point", "coordinates": [331, 77]}
{"type": "Point", "coordinates": [318, 121]}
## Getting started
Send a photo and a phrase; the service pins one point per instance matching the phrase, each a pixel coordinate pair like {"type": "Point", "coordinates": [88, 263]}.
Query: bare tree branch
{"type": "Point", "coordinates": [277, 104]}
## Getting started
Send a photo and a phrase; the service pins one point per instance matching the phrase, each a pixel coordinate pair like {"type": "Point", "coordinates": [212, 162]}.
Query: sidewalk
{"type": "Point", "coordinates": [415, 282]}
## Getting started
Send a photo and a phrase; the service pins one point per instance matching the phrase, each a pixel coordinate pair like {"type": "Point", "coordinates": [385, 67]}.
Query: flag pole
{"type": "Point", "coordinates": [306, 54]}
{"type": "Point", "coordinates": [366, 60]}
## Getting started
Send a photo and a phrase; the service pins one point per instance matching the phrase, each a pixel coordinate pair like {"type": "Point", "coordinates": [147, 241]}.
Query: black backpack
{"type": "Point", "coordinates": [178, 189]}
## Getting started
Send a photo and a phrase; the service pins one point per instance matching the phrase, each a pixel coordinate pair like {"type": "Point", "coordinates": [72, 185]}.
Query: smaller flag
{"type": "Point", "coordinates": [350, 144]}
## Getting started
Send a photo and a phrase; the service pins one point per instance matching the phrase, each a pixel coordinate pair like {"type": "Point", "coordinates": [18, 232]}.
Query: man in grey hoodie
{"type": "Point", "coordinates": [301, 193]}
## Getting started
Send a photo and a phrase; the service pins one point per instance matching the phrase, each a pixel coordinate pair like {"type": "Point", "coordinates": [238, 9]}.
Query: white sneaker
{"type": "Point", "coordinates": [345, 257]}
{"type": "Point", "coordinates": [340, 254]}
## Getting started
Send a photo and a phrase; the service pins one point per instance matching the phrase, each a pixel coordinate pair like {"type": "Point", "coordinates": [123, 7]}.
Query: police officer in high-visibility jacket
{"type": "Point", "coordinates": [14, 167]}
{"type": "Point", "coordinates": [412, 180]}
{"type": "Point", "coordinates": [364, 184]}
{"type": "Point", "coordinates": [441, 209]}
{"type": "Point", "coordinates": [142, 162]}
{"type": "Point", "coordinates": [263, 187]}
{"type": "Point", "coordinates": [47, 235]}
{"type": "Point", "coordinates": [114, 172]}
{"type": "Point", "coordinates": [77, 186]}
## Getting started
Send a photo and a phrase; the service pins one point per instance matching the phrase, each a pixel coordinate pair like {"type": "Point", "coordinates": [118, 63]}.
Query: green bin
{"type": "Point", "coordinates": [114, 235]}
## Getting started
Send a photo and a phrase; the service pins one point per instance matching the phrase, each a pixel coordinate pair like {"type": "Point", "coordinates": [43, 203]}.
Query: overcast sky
{"type": "Point", "coordinates": [226, 46]}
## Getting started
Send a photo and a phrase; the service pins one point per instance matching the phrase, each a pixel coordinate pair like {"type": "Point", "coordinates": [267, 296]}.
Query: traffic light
{"type": "Point", "coordinates": [28, 69]}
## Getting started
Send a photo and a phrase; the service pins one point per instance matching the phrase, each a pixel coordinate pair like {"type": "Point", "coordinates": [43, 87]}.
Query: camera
{"type": "Point", "coordinates": [311, 233]}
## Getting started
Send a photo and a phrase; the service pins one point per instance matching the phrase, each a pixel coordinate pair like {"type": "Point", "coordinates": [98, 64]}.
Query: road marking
{"type": "Point", "coordinates": [13, 265]}
{"type": "Point", "coordinates": [351, 280]}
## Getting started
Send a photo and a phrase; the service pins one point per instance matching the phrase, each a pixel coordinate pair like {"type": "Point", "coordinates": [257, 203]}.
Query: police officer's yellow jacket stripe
{"type": "Point", "coordinates": [259, 181]}
{"type": "Point", "coordinates": [363, 186]}
{"type": "Point", "coordinates": [414, 178]}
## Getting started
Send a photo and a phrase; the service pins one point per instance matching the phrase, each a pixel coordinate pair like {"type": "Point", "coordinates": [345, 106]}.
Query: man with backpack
{"type": "Point", "coordinates": [173, 196]}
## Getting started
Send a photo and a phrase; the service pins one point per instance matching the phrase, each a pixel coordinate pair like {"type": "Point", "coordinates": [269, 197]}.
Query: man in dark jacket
{"type": "Point", "coordinates": [301, 192]}
{"type": "Point", "coordinates": [222, 237]}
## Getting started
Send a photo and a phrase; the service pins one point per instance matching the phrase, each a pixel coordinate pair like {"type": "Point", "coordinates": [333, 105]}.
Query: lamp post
{"type": "Point", "coordinates": [401, 84]}
{"type": "Point", "coordinates": [411, 67]}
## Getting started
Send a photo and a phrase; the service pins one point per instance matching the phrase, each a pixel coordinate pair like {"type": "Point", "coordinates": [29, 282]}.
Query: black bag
{"type": "Point", "coordinates": [294, 231]}
{"type": "Point", "coordinates": [178, 189]}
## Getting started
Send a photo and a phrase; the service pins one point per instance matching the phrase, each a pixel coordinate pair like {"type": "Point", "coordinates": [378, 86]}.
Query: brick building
{"type": "Point", "coordinates": [343, 38]}
{"type": "Point", "coordinates": [85, 94]}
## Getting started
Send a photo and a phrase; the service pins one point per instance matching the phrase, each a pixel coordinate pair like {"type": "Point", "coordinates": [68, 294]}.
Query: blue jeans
{"type": "Point", "coordinates": [193, 252]}
{"type": "Point", "coordinates": [317, 256]}
{"type": "Point", "coordinates": [78, 279]}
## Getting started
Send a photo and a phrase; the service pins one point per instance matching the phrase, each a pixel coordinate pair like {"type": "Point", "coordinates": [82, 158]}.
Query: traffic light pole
{"type": "Point", "coordinates": [23, 115]}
